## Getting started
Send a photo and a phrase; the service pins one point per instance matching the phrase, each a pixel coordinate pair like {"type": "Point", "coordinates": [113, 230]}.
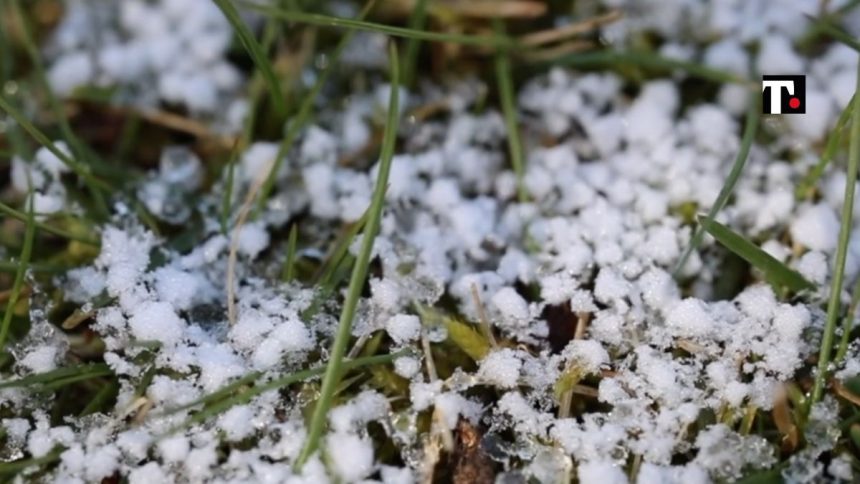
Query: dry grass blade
{"type": "Point", "coordinates": [560, 33]}
{"type": "Point", "coordinates": [783, 421]}
{"type": "Point", "coordinates": [490, 9]}
{"type": "Point", "coordinates": [244, 211]}
{"type": "Point", "coordinates": [181, 124]}
{"type": "Point", "coordinates": [554, 52]}
{"type": "Point", "coordinates": [482, 316]}
{"type": "Point", "coordinates": [845, 393]}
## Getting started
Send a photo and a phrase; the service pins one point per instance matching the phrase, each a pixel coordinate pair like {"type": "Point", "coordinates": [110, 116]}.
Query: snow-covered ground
{"type": "Point", "coordinates": [612, 167]}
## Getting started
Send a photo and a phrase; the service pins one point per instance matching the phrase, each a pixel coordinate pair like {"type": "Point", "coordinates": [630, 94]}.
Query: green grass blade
{"type": "Point", "coordinates": [16, 466]}
{"type": "Point", "coordinates": [644, 60]}
{"type": "Point", "coordinates": [101, 398]}
{"type": "Point", "coordinates": [220, 401]}
{"type": "Point", "coordinates": [6, 209]}
{"type": "Point", "coordinates": [774, 270]}
{"type": "Point", "coordinates": [848, 324]}
{"type": "Point", "coordinates": [300, 120]}
{"type": "Point", "coordinates": [329, 21]}
{"type": "Point", "coordinates": [75, 144]}
{"type": "Point", "coordinates": [32, 49]}
{"type": "Point", "coordinates": [413, 46]}
{"type": "Point", "coordinates": [289, 271]}
{"type": "Point", "coordinates": [227, 199]}
{"type": "Point", "coordinates": [62, 382]}
{"type": "Point", "coordinates": [260, 58]}
{"type": "Point", "coordinates": [838, 34]}
{"type": "Point", "coordinates": [841, 254]}
{"type": "Point", "coordinates": [752, 120]}
{"type": "Point", "coordinates": [504, 79]}
{"type": "Point", "coordinates": [359, 272]}
{"type": "Point", "coordinates": [81, 170]}
{"type": "Point", "coordinates": [60, 374]}
{"type": "Point", "coordinates": [329, 267]}
{"type": "Point", "coordinates": [23, 262]}
{"type": "Point", "coordinates": [805, 187]}
{"type": "Point", "coordinates": [258, 82]}
{"type": "Point", "coordinates": [219, 394]}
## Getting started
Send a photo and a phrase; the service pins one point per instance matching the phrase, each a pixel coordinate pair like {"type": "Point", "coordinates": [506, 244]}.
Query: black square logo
{"type": "Point", "coordinates": [783, 94]}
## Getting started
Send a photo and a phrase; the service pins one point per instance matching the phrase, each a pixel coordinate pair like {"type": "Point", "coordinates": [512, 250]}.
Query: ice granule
{"type": "Point", "coordinates": [351, 456]}
{"type": "Point", "coordinates": [253, 238]}
{"type": "Point", "coordinates": [816, 227]}
{"type": "Point", "coordinates": [690, 319]}
{"type": "Point", "coordinates": [40, 359]}
{"type": "Point", "coordinates": [511, 305]}
{"type": "Point", "coordinates": [501, 368]}
{"type": "Point", "coordinates": [156, 321]}
{"type": "Point", "coordinates": [403, 328]}
{"type": "Point", "coordinates": [605, 472]}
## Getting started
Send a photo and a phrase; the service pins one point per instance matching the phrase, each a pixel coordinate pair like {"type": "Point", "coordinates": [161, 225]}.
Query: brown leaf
{"type": "Point", "coordinates": [471, 464]}
{"type": "Point", "coordinates": [784, 423]}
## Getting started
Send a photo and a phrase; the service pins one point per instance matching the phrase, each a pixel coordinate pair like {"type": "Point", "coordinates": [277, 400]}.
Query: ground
{"type": "Point", "coordinates": [428, 241]}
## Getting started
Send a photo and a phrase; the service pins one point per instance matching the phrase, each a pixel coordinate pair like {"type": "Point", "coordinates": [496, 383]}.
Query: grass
{"type": "Point", "coordinates": [39, 69]}
{"type": "Point", "coordinates": [614, 59]}
{"type": "Point", "coordinates": [83, 171]}
{"type": "Point", "coordinates": [330, 21]}
{"type": "Point", "coordinates": [747, 139]}
{"type": "Point", "coordinates": [806, 187]}
{"type": "Point", "coordinates": [834, 303]}
{"type": "Point", "coordinates": [74, 143]}
{"type": "Point", "coordinates": [289, 271]}
{"type": "Point", "coordinates": [464, 345]}
{"type": "Point", "coordinates": [413, 46]}
{"type": "Point", "coordinates": [777, 273]}
{"type": "Point", "coordinates": [509, 109]}
{"type": "Point", "coordinates": [17, 214]}
{"type": "Point", "coordinates": [838, 34]}
{"type": "Point", "coordinates": [224, 398]}
{"type": "Point", "coordinates": [261, 59]}
{"type": "Point", "coordinates": [23, 263]}
{"type": "Point", "coordinates": [305, 111]}
{"type": "Point", "coordinates": [227, 199]}
{"type": "Point", "coordinates": [59, 377]}
{"type": "Point", "coordinates": [359, 272]}
{"type": "Point", "coordinates": [13, 467]}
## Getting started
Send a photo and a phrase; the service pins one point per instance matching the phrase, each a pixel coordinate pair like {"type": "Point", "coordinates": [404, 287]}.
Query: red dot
{"type": "Point", "coordinates": [794, 103]}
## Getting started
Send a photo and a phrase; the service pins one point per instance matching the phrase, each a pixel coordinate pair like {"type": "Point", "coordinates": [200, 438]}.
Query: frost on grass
{"type": "Point", "coordinates": [656, 384]}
